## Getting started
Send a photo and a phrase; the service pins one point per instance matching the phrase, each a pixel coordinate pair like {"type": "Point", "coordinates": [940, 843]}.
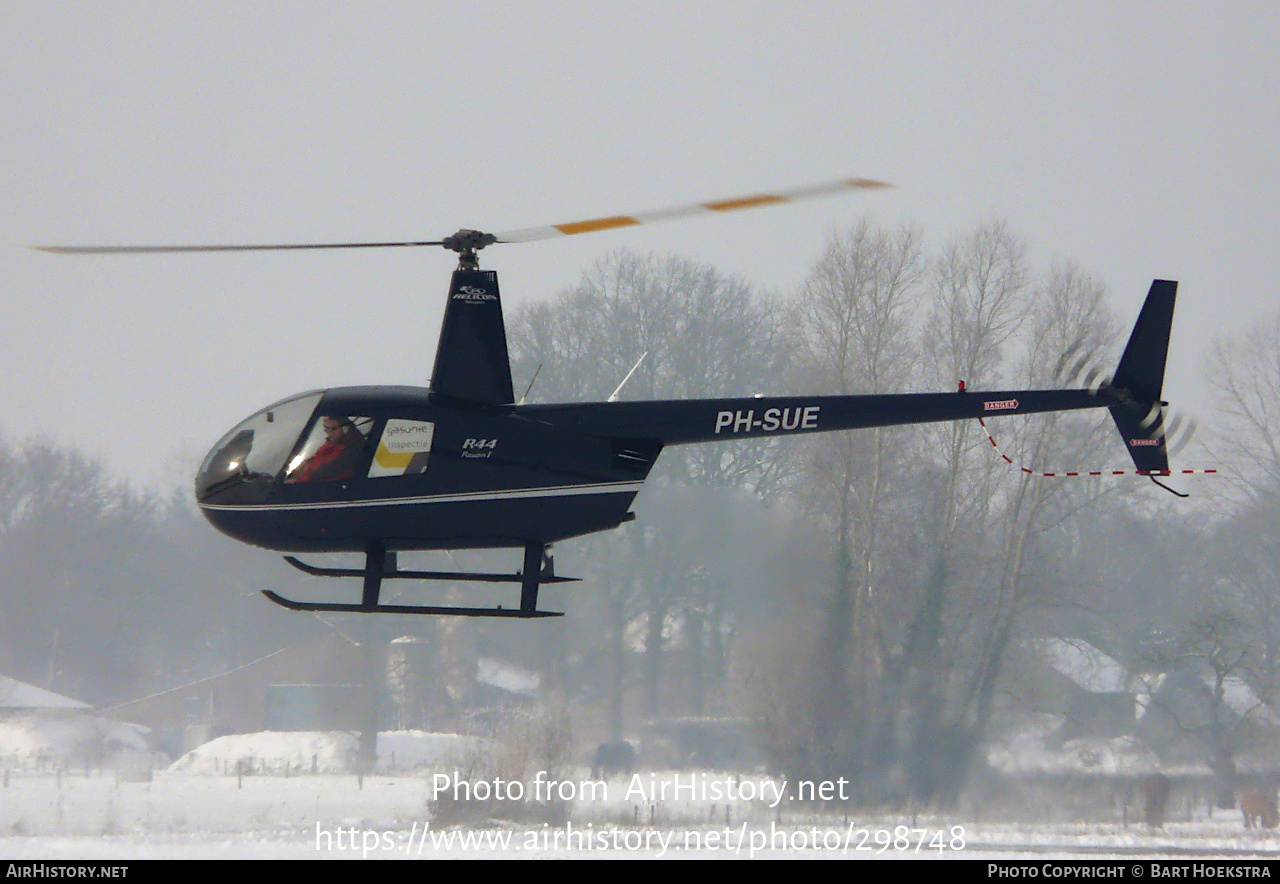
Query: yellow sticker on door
{"type": "Point", "coordinates": [403, 449]}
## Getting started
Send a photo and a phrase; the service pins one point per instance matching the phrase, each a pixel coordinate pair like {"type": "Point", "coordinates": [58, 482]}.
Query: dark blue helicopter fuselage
{"type": "Point", "coordinates": [492, 478]}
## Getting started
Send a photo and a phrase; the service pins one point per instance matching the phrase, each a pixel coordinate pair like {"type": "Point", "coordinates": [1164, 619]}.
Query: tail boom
{"type": "Point", "coordinates": [720, 420]}
{"type": "Point", "coordinates": [1132, 396]}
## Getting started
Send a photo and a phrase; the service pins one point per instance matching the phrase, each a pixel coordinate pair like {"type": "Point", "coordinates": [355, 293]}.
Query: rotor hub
{"type": "Point", "coordinates": [465, 241]}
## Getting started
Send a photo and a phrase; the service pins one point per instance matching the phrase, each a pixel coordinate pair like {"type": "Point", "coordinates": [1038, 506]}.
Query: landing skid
{"type": "Point", "coordinates": [380, 564]}
{"type": "Point", "coordinates": [445, 611]}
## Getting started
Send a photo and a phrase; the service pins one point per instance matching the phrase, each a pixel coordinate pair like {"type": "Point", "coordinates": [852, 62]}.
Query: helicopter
{"type": "Point", "coordinates": [460, 464]}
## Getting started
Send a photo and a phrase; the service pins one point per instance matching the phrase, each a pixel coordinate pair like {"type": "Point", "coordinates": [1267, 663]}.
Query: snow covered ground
{"type": "Point", "coordinates": [181, 814]}
{"type": "Point", "coordinates": [47, 741]}
{"type": "Point", "coordinates": [277, 807]}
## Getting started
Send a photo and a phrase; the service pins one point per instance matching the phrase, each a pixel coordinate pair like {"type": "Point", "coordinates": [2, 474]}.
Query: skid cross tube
{"type": "Point", "coordinates": [391, 573]}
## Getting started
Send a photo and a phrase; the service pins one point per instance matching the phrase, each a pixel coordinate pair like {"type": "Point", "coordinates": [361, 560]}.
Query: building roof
{"type": "Point", "coordinates": [1241, 700]}
{"type": "Point", "coordinates": [1097, 673]}
{"type": "Point", "coordinates": [507, 676]}
{"type": "Point", "coordinates": [16, 695]}
{"type": "Point", "coordinates": [1084, 664]}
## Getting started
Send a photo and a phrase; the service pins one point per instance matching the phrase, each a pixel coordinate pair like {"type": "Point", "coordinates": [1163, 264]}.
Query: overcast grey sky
{"type": "Point", "coordinates": [1136, 139]}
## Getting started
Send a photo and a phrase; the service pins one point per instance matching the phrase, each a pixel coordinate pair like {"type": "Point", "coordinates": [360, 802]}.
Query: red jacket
{"type": "Point", "coordinates": [333, 460]}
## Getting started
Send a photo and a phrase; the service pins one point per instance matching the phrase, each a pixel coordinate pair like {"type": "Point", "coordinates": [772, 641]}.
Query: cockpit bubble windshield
{"type": "Point", "coordinates": [243, 465]}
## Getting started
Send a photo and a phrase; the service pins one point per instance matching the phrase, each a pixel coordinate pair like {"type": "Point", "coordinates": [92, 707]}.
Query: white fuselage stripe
{"type": "Point", "coordinates": [465, 497]}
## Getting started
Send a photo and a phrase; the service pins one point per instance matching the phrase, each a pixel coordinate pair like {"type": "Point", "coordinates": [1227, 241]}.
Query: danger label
{"type": "Point", "coordinates": [1000, 405]}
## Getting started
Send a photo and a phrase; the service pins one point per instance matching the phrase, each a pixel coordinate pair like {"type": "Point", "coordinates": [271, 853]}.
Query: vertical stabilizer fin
{"type": "Point", "coordinates": [1139, 380]}
{"type": "Point", "coordinates": [1141, 368]}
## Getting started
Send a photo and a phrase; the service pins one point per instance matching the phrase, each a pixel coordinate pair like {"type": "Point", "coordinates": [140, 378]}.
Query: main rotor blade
{"type": "Point", "coordinates": [468, 241]}
{"type": "Point", "coordinates": [141, 250]}
{"type": "Point", "coordinates": [530, 234]}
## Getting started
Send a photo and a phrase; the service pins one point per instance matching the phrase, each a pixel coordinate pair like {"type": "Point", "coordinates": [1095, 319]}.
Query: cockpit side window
{"type": "Point", "coordinates": [333, 451]}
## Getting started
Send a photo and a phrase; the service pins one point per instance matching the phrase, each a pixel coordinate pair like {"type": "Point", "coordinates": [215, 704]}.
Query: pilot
{"type": "Point", "coordinates": [337, 458]}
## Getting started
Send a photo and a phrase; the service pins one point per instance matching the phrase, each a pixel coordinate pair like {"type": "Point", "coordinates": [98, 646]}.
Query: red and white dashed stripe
{"type": "Point", "coordinates": [1029, 472]}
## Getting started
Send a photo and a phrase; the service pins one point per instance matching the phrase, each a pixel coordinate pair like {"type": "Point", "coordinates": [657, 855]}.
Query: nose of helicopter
{"type": "Point", "coordinates": [241, 468]}
{"type": "Point", "coordinates": [238, 523]}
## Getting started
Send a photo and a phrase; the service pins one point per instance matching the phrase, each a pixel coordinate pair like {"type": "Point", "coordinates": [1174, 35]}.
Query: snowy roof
{"type": "Point", "coordinates": [331, 752]}
{"type": "Point", "coordinates": [507, 676]}
{"type": "Point", "coordinates": [1241, 700]}
{"type": "Point", "coordinates": [1028, 754]}
{"type": "Point", "coordinates": [1084, 664]}
{"type": "Point", "coordinates": [16, 694]}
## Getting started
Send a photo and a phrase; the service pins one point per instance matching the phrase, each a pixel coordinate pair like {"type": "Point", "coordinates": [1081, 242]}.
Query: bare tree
{"type": "Point", "coordinates": [980, 293]}
{"type": "Point", "coordinates": [1244, 371]}
{"type": "Point", "coordinates": [89, 564]}
{"type": "Point", "coordinates": [705, 335]}
{"type": "Point", "coordinates": [856, 320]}
{"type": "Point", "coordinates": [928, 699]}
{"type": "Point", "coordinates": [980, 288]}
{"type": "Point", "coordinates": [1245, 564]}
{"type": "Point", "coordinates": [1069, 311]}
{"type": "Point", "coordinates": [1205, 689]}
